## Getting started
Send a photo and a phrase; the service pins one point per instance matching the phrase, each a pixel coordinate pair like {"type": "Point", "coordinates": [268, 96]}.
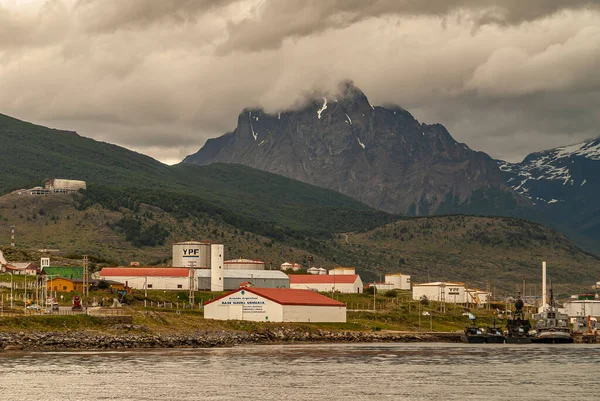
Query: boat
{"type": "Point", "coordinates": [552, 326]}
{"type": "Point", "coordinates": [473, 335]}
{"type": "Point", "coordinates": [517, 329]}
{"type": "Point", "coordinates": [493, 335]}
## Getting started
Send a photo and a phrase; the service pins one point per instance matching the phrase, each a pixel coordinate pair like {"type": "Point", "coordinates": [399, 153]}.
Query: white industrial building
{"type": "Point", "coordinates": [399, 281]}
{"type": "Point", "coordinates": [234, 279]}
{"type": "Point", "coordinates": [456, 293]}
{"type": "Point", "coordinates": [583, 307]}
{"type": "Point", "coordinates": [151, 278]}
{"type": "Point", "coordinates": [347, 283]}
{"type": "Point", "coordinates": [275, 305]}
{"type": "Point", "coordinates": [61, 185]}
{"type": "Point", "coordinates": [244, 264]}
{"type": "Point", "coordinates": [448, 292]}
{"type": "Point", "coordinates": [340, 271]}
{"type": "Point", "coordinates": [201, 255]}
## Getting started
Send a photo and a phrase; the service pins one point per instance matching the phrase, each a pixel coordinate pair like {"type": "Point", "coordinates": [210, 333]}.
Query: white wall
{"type": "Point", "coordinates": [256, 308]}
{"type": "Point", "coordinates": [582, 308]}
{"type": "Point", "coordinates": [349, 288]}
{"type": "Point", "coordinates": [302, 313]}
{"type": "Point", "coordinates": [453, 293]}
{"type": "Point", "coordinates": [154, 283]}
{"type": "Point", "coordinates": [216, 267]}
{"type": "Point", "coordinates": [244, 307]}
{"type": "Point", "coordinates": [400, 281]}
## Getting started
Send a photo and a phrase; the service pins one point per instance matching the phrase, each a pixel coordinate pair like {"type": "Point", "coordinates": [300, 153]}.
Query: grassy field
{"type": "Point", "coordinates": [165, 313]}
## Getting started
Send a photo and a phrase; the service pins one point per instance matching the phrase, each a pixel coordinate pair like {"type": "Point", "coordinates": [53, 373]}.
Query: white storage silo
{"type": "Point", "coordinates": [191, 254]}
{"type": "Point", "coordinates": [322, 271]}
{"type": "Point", "coordinates": [296, 267]}
{"type": "Point", "coordinates": [286, 266]}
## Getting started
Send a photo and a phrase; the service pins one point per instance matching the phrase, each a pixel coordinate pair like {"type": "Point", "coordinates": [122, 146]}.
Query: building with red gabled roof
{"type": "Point", "coordinates": [275, 305]}
{"type": "Point", "coordinates": [347, 283]}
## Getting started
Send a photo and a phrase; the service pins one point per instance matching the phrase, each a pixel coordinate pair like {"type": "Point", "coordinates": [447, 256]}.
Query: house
{"type": "Point", "coordinates": [275, 305]}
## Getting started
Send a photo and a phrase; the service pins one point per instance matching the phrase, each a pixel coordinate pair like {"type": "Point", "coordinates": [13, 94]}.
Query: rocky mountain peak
{"type": "Point", "coordinates": [381, 156]}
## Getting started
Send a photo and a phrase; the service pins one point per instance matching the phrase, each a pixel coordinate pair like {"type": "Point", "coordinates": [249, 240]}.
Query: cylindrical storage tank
{"type": "Point", "coordinates": [286, 266]}
{"type": "Point", "coordinates": [296, 267]}
{"type": "Point", "coordinates": [322, 270]}
{"type": "Point", "coordinates": [191, 254]}
{"type": "Point", "coordinates": [342, 271]}
{"type": "Point", "coordinates": [244, 264]}
{"type": "Point", "coordinates": [313, 270]}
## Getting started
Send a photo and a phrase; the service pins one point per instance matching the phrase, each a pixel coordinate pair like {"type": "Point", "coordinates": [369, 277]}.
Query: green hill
{"type": "Point", "coordinates": [242, 196]}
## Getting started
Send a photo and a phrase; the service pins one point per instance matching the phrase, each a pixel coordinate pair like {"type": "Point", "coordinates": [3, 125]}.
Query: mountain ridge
{"type": "Point", "coordinates": [380, 156]}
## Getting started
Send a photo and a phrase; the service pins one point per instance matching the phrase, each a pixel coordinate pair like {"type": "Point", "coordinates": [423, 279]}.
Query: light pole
{"type": "Point", "coordinates": [374, 292]}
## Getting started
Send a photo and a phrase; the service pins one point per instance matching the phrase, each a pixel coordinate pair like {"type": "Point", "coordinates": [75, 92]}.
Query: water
{"type": "Point", "coordinates": [307, 372]}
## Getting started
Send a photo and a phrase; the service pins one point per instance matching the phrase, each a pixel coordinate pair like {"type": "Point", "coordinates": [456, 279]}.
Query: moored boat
{"type": "Point", "coordinates": [473, 335]}
{"type": "Point", "coordinates": [552, 326]}
{"type": "Point", "coordinates": [517, 329]}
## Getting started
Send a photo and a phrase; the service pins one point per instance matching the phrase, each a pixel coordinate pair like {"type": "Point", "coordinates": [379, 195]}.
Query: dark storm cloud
{"type": "Point", "coordinates": [274, 21]}
{"type": "Point", "coordinates": [162, 76]}
{"type": "Point", "coordinates": [111, 15]}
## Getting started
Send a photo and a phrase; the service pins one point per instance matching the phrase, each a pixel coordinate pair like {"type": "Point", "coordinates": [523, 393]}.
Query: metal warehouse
{"type": "Point", "coordinates": [348, 283]}
{"type": "Point", "coordinates": [233, 279]}
{"type": "Point", "coordinates": [275, 305]}
{"type": "Point", "coordinates": [151, 278]}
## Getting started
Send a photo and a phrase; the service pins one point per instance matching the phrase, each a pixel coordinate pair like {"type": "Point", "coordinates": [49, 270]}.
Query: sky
{"type": "Point", "coordinates": [507, 77]}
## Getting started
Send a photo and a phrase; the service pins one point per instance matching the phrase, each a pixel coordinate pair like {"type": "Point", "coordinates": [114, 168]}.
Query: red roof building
{"type": "Point", "coordinates": [144, 271]}
{"type": "Point", "coordinates": [275, 305]}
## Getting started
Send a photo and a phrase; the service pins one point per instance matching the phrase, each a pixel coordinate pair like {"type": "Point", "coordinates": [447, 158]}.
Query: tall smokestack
{"type": "Point", "coordinates": [544, 293]}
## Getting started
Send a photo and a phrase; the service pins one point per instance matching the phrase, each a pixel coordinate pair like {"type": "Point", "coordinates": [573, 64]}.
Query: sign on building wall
{"type": "Point", "coordinates": [250, 303]}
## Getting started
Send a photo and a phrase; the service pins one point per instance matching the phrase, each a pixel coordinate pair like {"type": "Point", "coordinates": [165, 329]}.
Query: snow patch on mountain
{"type": "Point", "coordinates": [323, 108]}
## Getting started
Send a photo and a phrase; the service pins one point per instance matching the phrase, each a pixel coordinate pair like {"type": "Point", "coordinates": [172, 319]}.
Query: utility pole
{"type": "Point", "coordinates": [86, 279]}
{"type": "Point", "coordinates": [191, 282]}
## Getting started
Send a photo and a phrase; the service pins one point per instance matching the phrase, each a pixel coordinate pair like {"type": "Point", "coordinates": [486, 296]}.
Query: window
{"type": "Point", "coordinates": [179, 286]}
{"type": "Point", "coordinates": [149, 285]}
{"type": "Point", "coordinates": [64, 288]}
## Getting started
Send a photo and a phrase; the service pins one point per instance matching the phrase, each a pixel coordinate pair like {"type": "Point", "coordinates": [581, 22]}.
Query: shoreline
{"type": "Point", "coordinates": [83, 340]}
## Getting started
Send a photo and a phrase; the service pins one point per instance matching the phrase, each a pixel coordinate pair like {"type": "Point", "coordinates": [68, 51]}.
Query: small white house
{"type": "Point", "coordinates": [347, 283]}
{"type": "Point", "coordinates": [275, 305]}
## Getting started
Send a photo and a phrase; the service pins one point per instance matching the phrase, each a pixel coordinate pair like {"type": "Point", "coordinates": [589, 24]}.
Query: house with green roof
{"type": "Point", "coordinates": [69, 272]}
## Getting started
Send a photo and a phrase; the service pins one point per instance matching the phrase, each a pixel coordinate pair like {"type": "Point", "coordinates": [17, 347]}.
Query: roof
{"type": "Point", "coordinates": [246, 274]}
{"type": "Point", "coordinates": [286, 296]}
{"type": "Point", "coordinates": [22, 265]}
{"type": "Point", "coordinates": [438, 283]}
{"type": "Point", "coordinates": [145, 271]}
{"type": "Point", "coordinates": [193, 243]}
{"type": "Point", "coordinates": [64, 271]}
{"type": "Point", "coordinates": [323, 278]}
{"type": "Point", "coordinates": [244, 261]}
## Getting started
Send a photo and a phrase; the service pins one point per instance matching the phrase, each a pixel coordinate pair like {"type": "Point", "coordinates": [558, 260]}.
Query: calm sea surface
{"type": "Point", "coordinates": [308, 372]}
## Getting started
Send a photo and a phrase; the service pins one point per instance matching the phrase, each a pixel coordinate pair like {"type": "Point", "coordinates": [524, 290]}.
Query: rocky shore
{"type": "Point", "coordinates": [131, 338]}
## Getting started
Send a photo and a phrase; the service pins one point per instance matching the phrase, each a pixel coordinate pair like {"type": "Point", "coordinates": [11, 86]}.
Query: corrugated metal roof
{"type": "Point", "coordinates": [144, 271]}
{"type": "Point", "coordinates": [438, 283]}
{"type": "Point", "coordinates": [286, 296]}
{"type": "Point", "coordinates": [323, 278]}
{"type": "Point", "coordinates": [244, 261]}
{"type": "Point", "coordinates": [246, 274]}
